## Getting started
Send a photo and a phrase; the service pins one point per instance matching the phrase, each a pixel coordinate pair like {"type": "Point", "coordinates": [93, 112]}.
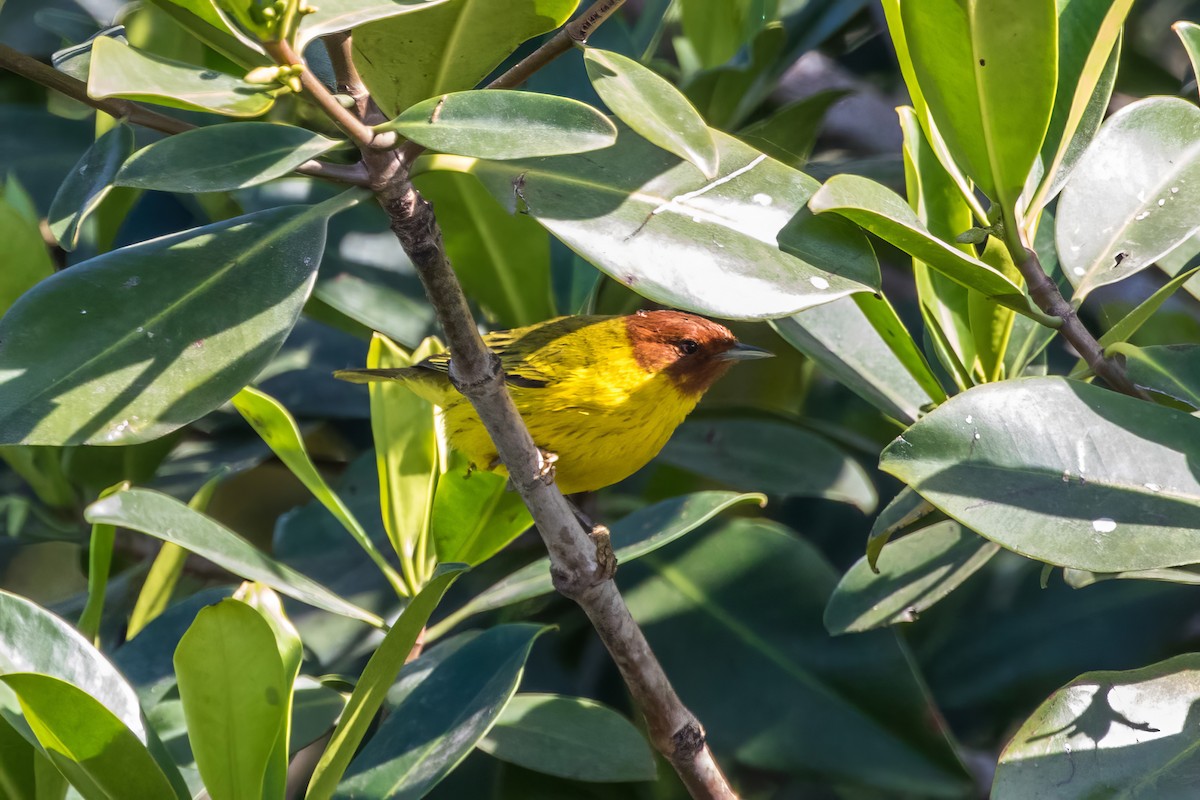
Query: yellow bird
{"type": "Point", "coordinates": [600, 394]}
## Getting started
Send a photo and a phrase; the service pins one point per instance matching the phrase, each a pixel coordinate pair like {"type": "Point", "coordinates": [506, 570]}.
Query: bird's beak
{"type": "Point", "coordinates": [745, 352]}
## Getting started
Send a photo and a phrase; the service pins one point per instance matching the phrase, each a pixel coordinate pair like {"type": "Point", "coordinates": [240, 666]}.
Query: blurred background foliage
{"type": "Point", "coordinates": [734, 610]}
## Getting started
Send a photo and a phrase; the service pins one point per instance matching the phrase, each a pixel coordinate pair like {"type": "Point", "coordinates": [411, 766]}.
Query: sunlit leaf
{"type": "Point", "coordinates": [88, 183]}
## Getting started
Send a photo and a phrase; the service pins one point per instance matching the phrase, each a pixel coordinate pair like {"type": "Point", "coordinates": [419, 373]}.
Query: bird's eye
{"type": "Point", "coordinates": [687, 346]}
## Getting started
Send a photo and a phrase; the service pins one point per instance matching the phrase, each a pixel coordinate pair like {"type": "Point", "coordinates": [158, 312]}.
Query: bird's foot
{"type": "Point", "coordinates": [547, 460]}
{"type": "Point", "coordinates": [606, 559]}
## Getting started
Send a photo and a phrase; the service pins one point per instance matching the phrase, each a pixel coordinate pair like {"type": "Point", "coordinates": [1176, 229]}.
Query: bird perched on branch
{"type": "Point", "coordinates": [601, 395]}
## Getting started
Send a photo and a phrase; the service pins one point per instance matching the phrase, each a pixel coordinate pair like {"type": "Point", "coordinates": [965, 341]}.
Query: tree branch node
{"type": "Point", "coordinates": [688, 741]}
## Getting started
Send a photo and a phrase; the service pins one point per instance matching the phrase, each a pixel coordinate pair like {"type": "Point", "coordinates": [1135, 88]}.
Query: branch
{"type": "Point", "coordinates": [1049, 299]}
{"type": "Point", "coordinates": [28, 67]}
{"type": "Point", "coordinates": [349, 81]}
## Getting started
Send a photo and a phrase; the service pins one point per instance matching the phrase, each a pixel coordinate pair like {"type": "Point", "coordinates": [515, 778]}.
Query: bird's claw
{"type": "Point", "coordinates": [546, 465]}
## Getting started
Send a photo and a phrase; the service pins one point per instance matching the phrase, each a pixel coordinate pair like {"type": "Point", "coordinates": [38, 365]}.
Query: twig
{"type": "Point", "coordinates": [28, 67]}
{"type": "Point", "coordinates": [1049, 299]}
{"type": "Point", "coordinates": [349, 81]}
{"type": "Point", "coordinates": [582, 562]}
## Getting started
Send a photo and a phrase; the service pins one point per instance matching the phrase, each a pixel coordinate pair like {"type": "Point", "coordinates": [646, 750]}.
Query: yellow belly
{"type": "Point", "coordinates": [600, 437]}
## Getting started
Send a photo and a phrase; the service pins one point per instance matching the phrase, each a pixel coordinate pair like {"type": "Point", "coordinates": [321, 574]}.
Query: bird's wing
{"type": "Point", "coordinates": [429, 384]}
{"type": "Point", "coordinates": [518, 371]}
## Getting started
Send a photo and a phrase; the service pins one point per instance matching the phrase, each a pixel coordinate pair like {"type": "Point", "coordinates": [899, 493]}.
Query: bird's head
{"type": "Point", "coordinates": [692, 351]}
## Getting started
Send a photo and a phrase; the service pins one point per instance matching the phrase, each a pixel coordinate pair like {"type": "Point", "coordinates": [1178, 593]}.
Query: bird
{"type": "Point", "coordinates": [601, 395]}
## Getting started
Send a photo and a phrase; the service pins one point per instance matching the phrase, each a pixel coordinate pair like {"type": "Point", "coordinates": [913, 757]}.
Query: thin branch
{"type": "Point", "coordinates": [28, 67]}
{"type": "Point", "coordinates": [1049, 299]}
{"type": "Point", "coordinates": [582, 562]}
{"type": "Point", "coordinates": [349, 81]}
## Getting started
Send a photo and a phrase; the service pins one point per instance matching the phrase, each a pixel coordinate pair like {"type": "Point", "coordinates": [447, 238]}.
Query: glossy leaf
{"type": "Point", "coordinates": [279, 430]}
{"type": "Point", "coordinates": [914, 573]}
{"type": "Point", "coordinates": [96, 751]}
{"type": "Point", "coordinates": [1189, 34]}
{"type": "Point", "coordinates": [1131, 197]}
{"type": "Point", "coordinates": [653, 108]}
{"type": "Point", "coordinates": [1007, 461]}
{"type": "Point", "coordinates": [100, 553]}
{"type": "Point", "coordinates": [570, 737]}
{"type": "Point", "coordinates": [18, 781]}
{"type": "Point", "coordinates": [434, 724]}
{"type": "Point", "coordinates": [754, 592]}
{"type": "Point", "coordinates": [219, 158]}
{"type": "Point", "coordinates": [976, 62]}
{"type": "Point", "coordinates": [902, 511]}
{"type": "Point", "coordinates": [502, 259]}
{"type": "Point", "coordinates": [342, 15]}
{"type": "Point", "coordinates": [633, 536]}
{"type": "Point", "coordinates": [885, 214]}
{"type": "Point", "coordinates": [372, 686]}
{"type": "Point", "coordinates": [504, 125]}
{"type": "Point", "coordinates": [27, 261]}
{"type": "Point", "coordinates": [120, 349]}
{"type": "Point", "coordinates": [475, 515]}
{"type": "Point", "coordinates": [1132, 322]}
{"type": "Point", "coordinates": [739, 247]}
{"type": "Point", "coordinates": [165, 518]}
{"type": "Point", "coordinates": [740, 453]}
{"type": "Point", "coordinates": [717, 29]}
{"type": "Point", "coordinates": [118, 70]}
{"type": "Point", "coordinates": [1173, 370]}
{"type": "Point", "coordinates": [447, 46]}
{"type": "Point", "coordinates": [88, 183]}
{"type": "Point", "coordinates": [232, 684]}
{"type": "Point", "coordinates": [790, 134]}
{"type": "Point", "coordinates": [1117, 734]}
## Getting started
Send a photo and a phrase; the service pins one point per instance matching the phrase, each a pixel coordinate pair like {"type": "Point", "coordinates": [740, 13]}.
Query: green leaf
{"type": "Point", "coordinates": [220, 158]}
{"type": "Point", "coordinates": [502, 259]}
{"type": "Point", "coordinates": [1173, 370]}
{"type": "Point", "coordinates": [447, 46]}
{"type": "Point", "coordinates": [914, 573]}
{"type": "Point", "coordinates": [435, 724]}
{"type": "Point", "coordinates": [1138, 719]}
{"type": "Point", "coordinates": [88, 183]}
{"type": "Point", "coordinates": [717, 29]}
{"type": "Point", "coordinates": [1089, 33]}
{"type": "Point", "coordinates": [653, 108]}
{"type": "Point", "coordinates": [100, 553]}
{"type": "Point", "coordinates": [342, 15]}
{"type": "Point", "coordinates": [1130, 199]}
{"type": "Point", "coordinates": [316, 709]}
{"type": "Point", "coordinates": [165, 518]}
{"type": "Point", "coordinates": [34, 640]}
{"type": "Point", "coordinates": [1008, 461]}
{"type": "Point", "coordinates": [119, 349]}
{"type": "Point", "coordinates": [741, 453]}
{"type": "Point", "coordinates": [27, 261]}
{"type": "Point", "coordinates": [1189, 34]}
{"type": "Point", "coordinates": [885, 214]}
{"type": "Point", "coordinates": [118, 70]}
{"type": "Point", "coordinates": [976, 62]}
{"type": "Point", "coordinates": [739, 247]}
{"type": "Point", "coordinates": [278, 429]}
{"type": "Point", "coordinates": [641, 532]}
{"type": "Point", "coordinates": [474, 515]}
{"type": "Point", "coordinates": [790, 134]}
{"type": "Point", "coordinates": [571, 737]}
{"type": "Point", "coordinates": [1132, 322]}
{"type": "Point", "coordinates": [372, 686]}
{"type": "Point", "coordinates": [95, 750]}
{"type": "Point", "coordinates": [18, 780]}
{"type": "Point", "coordinates": [201, 19]}
{"type": "Point", "coordinates": [902, 511]}
{"type": "Point", "coordinates": [504, 124]}
{"type": "Point", "coordinates": [232, 684]}
{"type": "Point", "coordinates": [754, 592]}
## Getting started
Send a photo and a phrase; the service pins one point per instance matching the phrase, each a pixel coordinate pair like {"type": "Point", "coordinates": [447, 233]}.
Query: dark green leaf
{"type": "Point", "coordinates": [88, 183]}
{"type": "Point", "coordinates": [570, 737]}
{"type": "Point", "coordinates": [372, 686]}
{"type": "Point", "coordinates": [232, 684]}
{"type": "Point", "coordinates": [653, 108]}
{"type": "Point", "coordinates": [17, 778]}
{"type": "Point", "coordinates": [219, 158]}
{"type": "Point", "coordinates": [1189, 34]}
{"type": "Point", "coordinates": [434, 724]}
{"type": "Point", "coordinates": [742, 453]}
{"type": "Point", "coordinates": [446, 46]}
{"type": "Point", "coordinates": [1139, 721]}
{"type": "Point", "coordinates": [27, 261]}
{"type": "Point", "coordinates": [1132, 322]}
{"type": "Point", "coordinates": [914, 573]}
{"type": "Point", "coordinates": [97, 752]}
{"type": "Point", "coordinates": [504, 124]}
{"type": "Point", "coordinates": [475, 515]}
{"type": "Point", "coordinates": [791, 132]}
{"type": "Point", "coordinates": [122, 349]}
{"type": "Point", "coordinates": [166, 518]}
{"type": "Point", "coordinates": [1173, 370]}
{"type": "Point", "coordinates": [1009, 461]}
{"type": "Point", "coordinates": [902, 511]}
{"type": "Point", "coordinates": [118, 70]}
{"type": "Point", "coordinates": [1130, 199]}
{"type": "Point", "coordinates": [740, 247]}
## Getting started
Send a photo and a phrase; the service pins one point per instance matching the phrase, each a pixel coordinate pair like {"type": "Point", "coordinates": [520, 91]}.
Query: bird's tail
{"type": "Point", "coordinates": [368, 375]}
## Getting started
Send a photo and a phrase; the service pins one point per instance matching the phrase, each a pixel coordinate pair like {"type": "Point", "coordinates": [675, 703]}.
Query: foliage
{"type": "Point", "coordinates": [332, 580]}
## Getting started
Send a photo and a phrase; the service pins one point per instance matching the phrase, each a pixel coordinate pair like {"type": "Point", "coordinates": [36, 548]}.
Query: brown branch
{"type": "Point", "coordinates": [574, 32]}
{"type": "Point", "coordinates": [28, 67]}
{"type": "Point", "coordinates": [349, 81]}
{"type": "Point", "coordinates": [1050, 300]}
{"type": "Point", "coordinates": [582, 562]}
